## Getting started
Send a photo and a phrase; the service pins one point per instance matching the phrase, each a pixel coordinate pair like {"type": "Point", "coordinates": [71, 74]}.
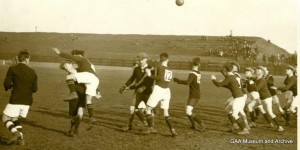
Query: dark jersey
{"type": "Point", "coordinates": [239, 79]}
{"type": "Point", "coordinates": [291, 85]}
{"type": "Point", "coordinates": [270, 83]}
{"type": "Point", "coordinates": [23, 81]}
{"type": "Point", "coordinates": [141, 79]}
{"type": "Point", "coordinates": [84, 65]}
{"type": "Point", "coordinates": [250, 87]}
{"type": "Point", "coordinates": [262, 88]}
{"type": "Point", "coordinates": [232, 84]}
{"type": "Point", "coordinates": [194, 84]}
{"type": "Point", "coordinates": [163, 76]}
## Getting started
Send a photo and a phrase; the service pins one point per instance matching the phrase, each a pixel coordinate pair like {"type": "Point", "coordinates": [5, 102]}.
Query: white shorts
{"type": "Point", "coordinates": [275, 99]}
{"type": "Point", "coordinates": [162, 95]}
{"type": "Point", "coordinates": [13, 110]}
{"type": "Point", "coordinates": [289, 96]}
{"type": "Point", "coordinates": [90, 80]}
{"type": "Point", "coordinates": [294, 103]}
{"type": "Point", "coordinates": [238, 106]}
{"type": "Point", "coordinates": [142, 105]}
{"type": "Point", "coordinates": [254, 95]}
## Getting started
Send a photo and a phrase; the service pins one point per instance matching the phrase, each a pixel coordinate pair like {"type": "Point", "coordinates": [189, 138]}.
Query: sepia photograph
{"type": "Point", "coordinates": [149, 74]}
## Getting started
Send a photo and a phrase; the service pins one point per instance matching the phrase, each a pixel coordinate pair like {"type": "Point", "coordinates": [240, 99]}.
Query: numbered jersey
{"type": "Point", "coordinates": [163, 76]}
{"type": "Point", "coordinates": [194, 84]}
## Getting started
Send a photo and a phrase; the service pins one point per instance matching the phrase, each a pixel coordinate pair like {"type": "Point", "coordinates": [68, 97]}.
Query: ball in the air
{"type": "Point", "coordinates": [179, 2]}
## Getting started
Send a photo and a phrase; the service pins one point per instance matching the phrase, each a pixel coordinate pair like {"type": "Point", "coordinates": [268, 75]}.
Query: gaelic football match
{"type": "Point", "coordinates": [149, 74]}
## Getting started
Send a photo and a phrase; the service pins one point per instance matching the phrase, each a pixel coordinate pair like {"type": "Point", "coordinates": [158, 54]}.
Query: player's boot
{"type": "Point", "coordinates": [92, 121]}
{"type": "Point", "coordinates": [271, 125]}
{"type": "Point", "coordinates": [280, 129]}
{"type": "Point", "coordinates": [202, 127]}
{"type": "Point", "coordinates": [21, 142]}
{"type": "Point", "coordinates": [16, 136]}
{"type": "Point", "coordinates": [145, 123]}
{"type": "Point", "coordinates": [245, 131]}
{"type": "Point", "coordinates": [174, 133]}
{"type": "Point", "coordinates": [288, 123]}
{"type": "Point", "coordinates": [252, 125]}
{"type": "Point", "coordinates": [127, 129]}
{"type": "Point", "coordinates": [71, 96]}
{"type": "Point", "coordinates": [98, 96]}
{"type": "Point", "coordinates": [150, 130]}
{"type": "Point", "coordinates": [247, 127]}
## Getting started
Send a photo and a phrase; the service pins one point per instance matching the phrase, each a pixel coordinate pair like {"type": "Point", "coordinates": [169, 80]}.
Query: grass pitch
{"type": "Point", "coordinates": [48, 120]}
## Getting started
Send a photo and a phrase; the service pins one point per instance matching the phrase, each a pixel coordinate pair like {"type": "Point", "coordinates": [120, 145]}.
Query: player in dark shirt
{"type": "Point", "coordinates": [291, 85]}
{"type": "Point", "coordinates": [142, 86]}
{"type": "Point", "coordinates": [253, 97]}
{"type": "Point", "coordinates": [275, 99]}
{"type": "Point", "coordinates": [233, 85]}
{"type": "Point", "coordinates": [265, 96]}
{"type": "Point", "coordinates": [86, 74]}
{"type": "Point", "coordinates": [23, 82]}
{"type": "Point", "coordinates": [161, 94]}
{"type": "Point", "coordinates": [193, 82]}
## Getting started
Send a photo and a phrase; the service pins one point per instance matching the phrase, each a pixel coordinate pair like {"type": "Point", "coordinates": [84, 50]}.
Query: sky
{"type": "Point", "coordinates": [274, 20]}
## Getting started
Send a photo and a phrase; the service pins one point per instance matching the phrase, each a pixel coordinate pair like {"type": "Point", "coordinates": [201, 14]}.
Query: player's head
{"type": "Point", "coordinates": [196, 61]}
{"type": "Point", "coordinates": [77, 53]}
{"type": "Point", "coordinates": [23, 56]}
{"type": "Point", "coordinates": [142, 58]}
{"type": "Point", "coordinates": [290, 70]}
{"type": "Point", "coordinates": [236, 67]}
{"type": "Point", "coordinates": [249, 72]}
{"type": "Point", "coordinates": [260, 71]}
{"type": "Point", "coordinates": [164, 57]}
{"type": "Point", "coordinates": [228, 67]}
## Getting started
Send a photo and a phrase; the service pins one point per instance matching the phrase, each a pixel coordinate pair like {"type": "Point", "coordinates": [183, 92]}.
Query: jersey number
{"type": "Point", "coordinates": [168, 75]}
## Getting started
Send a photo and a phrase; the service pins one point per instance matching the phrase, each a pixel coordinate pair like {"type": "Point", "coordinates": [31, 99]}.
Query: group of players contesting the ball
{"type": "Point", "coordinates": [253, 95]}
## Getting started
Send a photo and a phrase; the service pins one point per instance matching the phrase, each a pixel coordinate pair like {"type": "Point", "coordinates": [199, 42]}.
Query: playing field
{"type": "Point", "coordinates": [48, 120]}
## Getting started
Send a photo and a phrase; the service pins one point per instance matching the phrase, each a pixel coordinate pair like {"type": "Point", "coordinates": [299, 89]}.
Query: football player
{"type": "Point", "coordinates": [142, 87]}
{"type": "Point", "coordinates": [22, 80]}
{"type": "Point", "coordinates": [238, 103]}
{"type": "Point", "coordinates": [291, 85]}
{"type": "Point", "coordinates": [161, 93]}
{"type": "Point", "coordinates": [85, 74]}
{"type": "Point", "coordinates": [193, 82]}
{"type": "Point", "coordinates": [265, 96]}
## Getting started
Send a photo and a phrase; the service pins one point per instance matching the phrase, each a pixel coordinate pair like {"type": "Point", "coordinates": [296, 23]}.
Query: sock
{"type": "Point", "coordinates": [276, 121]}
{"type": "Point", "coordinates": [192, 121]}
{"type": "Point", "coordinates": [252, 116]}
{"type": "Point", "coordinates": [130, 121]}
{"type": "Point", "coordinates": [149, 120]}
{"type": "Point", "coordinates": [90, 109]}
{"type": "Point", "coordinates": [231, 119]}
{"type": "Point", "coordinates": [169, 122]}
{"type": "Point", "coordinates": [256, 112]}
{"type": "Point", "coordinates": [240, 122]}
{"type": "Point", "coordinates": [266, 116]}
{"type": "Point", "coordinates": [197, 119]}
{"type": "Point", "coordinates": [287, 115]}
{"type": "Point", "coordinates": [140, 115]}
{"type": "Point", "coordinates": [245, 120]}
{"type": "Point", "coordinates": [71, 85]}
{"type": "Point", "coordinates": [10, 126]}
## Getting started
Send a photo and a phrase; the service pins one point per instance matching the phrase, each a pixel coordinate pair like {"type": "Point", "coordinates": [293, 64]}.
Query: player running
{"type": "Point", "coordinates": [23, 82]}
{"type": "Point", "coordinates": [194, 84]}
{"type": "Point", "coordinates": [142, 86]}
{"type": "Point", "coordinates": [275, 99]}
{"type": "Point", "coordinates": [161, 93]}
{"type": "Point", "coordinates": [234, 86]}
{"type": "Point", "coordinates": [291, 84]}
{"type": "Point", "coordinates": [85, 74]}
{"type": "Point", "coordinates": [265, 96]}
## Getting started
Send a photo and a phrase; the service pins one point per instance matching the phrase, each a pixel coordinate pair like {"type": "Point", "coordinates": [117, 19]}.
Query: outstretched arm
{"type": "Point", "coordinates": [65, 55]}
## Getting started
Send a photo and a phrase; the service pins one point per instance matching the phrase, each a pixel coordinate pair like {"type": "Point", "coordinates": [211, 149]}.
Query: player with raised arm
{"type": "Point", "coordinates": [161, 94]}
{"type": "Point", "coordinates": [265, 96]}
{"type": "Point", "coordinates": [291, 85]}
{"type": "Point", "coordinates": [85, 74]}
{"type": "Point", "coordinates": [193, 82]}
{"type": "Point", "coordinates": [142, 86]}
{"type": "Point", "coordinates": [238, 104]}
{"type": "Point", "coordinates": [23, 81]}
